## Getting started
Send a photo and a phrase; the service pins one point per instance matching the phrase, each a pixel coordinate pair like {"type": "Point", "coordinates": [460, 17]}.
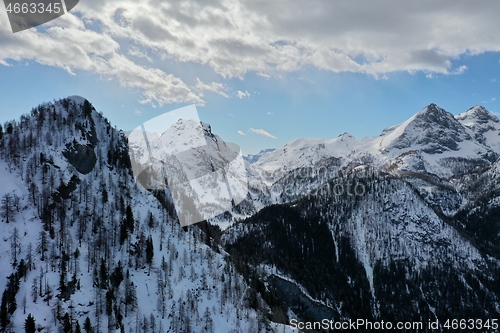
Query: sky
{"type": "Point", "coordinates": [262, 73]}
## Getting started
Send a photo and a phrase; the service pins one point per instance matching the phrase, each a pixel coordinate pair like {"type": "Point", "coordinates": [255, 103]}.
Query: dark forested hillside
{"type": "Point", "coordinates": [384, 255]}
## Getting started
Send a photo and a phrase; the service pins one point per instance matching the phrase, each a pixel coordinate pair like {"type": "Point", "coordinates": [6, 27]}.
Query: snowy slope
{"type": "Point", "coordinates": [82, 221]}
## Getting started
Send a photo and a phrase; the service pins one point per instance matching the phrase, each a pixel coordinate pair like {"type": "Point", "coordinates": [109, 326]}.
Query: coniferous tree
{"type": "Point", "coordinates": [130, 296]}
{"type": "Point", "coordinates": [103, 275]}
{"type": "Point", "coordinates": [77, 328]}
{"type": "Point", "coordinates": [104, 195]}
{"type": "Point", "coordinates": [87, 326]}
{"type": "Point", "coordinates": [7, 207]}
{"type": "Point", "coordinates": [29, 257]}
{"type": "Point", "coordinates": [10, 128]}
{"type": "Point", "coordinates": [127, 225]}
{"type": "Point", "coordinates": [42, 244]}
{"type": "Point", "coordinates": [8, 303]}
{"type": "Point", "coordinates": [109, 302]}
{"type": "Point", "coordinates": [116, 277]}
{"type": "Point", "coordinates": [63, 287]}
{"type": "Point", "coordinates": [152, 322]}
{"type": "Point", "coordinates": [22, 269]}
{"type": "Point", "coordinates": [149, 250]}
{"type": "Point", "coordinates": [34, 289]}
{"type": "Point", "coordinates": [123, 232]}
{"type": "Point", "coordinates": [30, 324]}
{"type": "Point", "coordinates": [15, 246]}
{"type": "Point", "coordinates": [67, 324]}
{"type": "Point", "coordinates": [208, 325]}
{"type": "Point", "coordinates": [129, 219]}
{"type": "Point", "coordinates": [87, 108]}
{"type": "Point", "coordinates": [151, 221]}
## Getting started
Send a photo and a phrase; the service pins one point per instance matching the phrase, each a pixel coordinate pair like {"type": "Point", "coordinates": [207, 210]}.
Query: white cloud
{"type": "Point", "coordinates": [135, 52]}
{"type": "Point", "coordinates": [73, 48]}
{"type": "Point", "coordinates": [268, 38]}
{"type": "Point", "coordinates": [241, 133]}
{"type": "Point", "coordinates": [491, 100]}
{"type": "Point", "coordinates": [215, 87]}
{"type": "Point", "coordinates": [242, 94]}
{"type": "Point", "coordinates": [270, 113]}
{"type": "Point", "coordinates": [460, 70]}
{"type": "Point", "coordinates": [262, 132]}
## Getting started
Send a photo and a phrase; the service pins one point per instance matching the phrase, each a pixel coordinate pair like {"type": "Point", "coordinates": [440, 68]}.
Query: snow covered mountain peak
{"type": "Point", "coordinates": [477, 114]}
{"type": "Point", "coordinates": [433, 114]}
{"type": "Point", "coordinates": [184, 133]}
{"type": "Point", "coordinates": [432, 130]}
{"type": "Point", "coordinates": [77, 99]}
{"type": "Point", "coordinates": [484, 125]}
{"type": "Point", "coordinates": [183, 125]}
{"type": "Point", "coordinates": [426, 142]}
{"type": "Point", "coordinates": [346, 136]}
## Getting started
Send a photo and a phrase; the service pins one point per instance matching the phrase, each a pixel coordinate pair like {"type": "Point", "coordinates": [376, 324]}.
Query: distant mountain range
{"type": "Point", "coordinates": [403, 225]}
{"type": "Point", "coordinates": [252, 158]}
{"type": "Point", "coordinates": [424, 141]}
{"type": "Point", "coordinates": [400, 227]}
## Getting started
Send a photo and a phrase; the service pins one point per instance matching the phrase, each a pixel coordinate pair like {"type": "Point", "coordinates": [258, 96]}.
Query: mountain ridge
{"type": "Point", "coordinates": [433, 132]}
{"type": "Point", "coordinates": [89, 247]}
{"type": "Point", "coordinates": [337, 228]}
